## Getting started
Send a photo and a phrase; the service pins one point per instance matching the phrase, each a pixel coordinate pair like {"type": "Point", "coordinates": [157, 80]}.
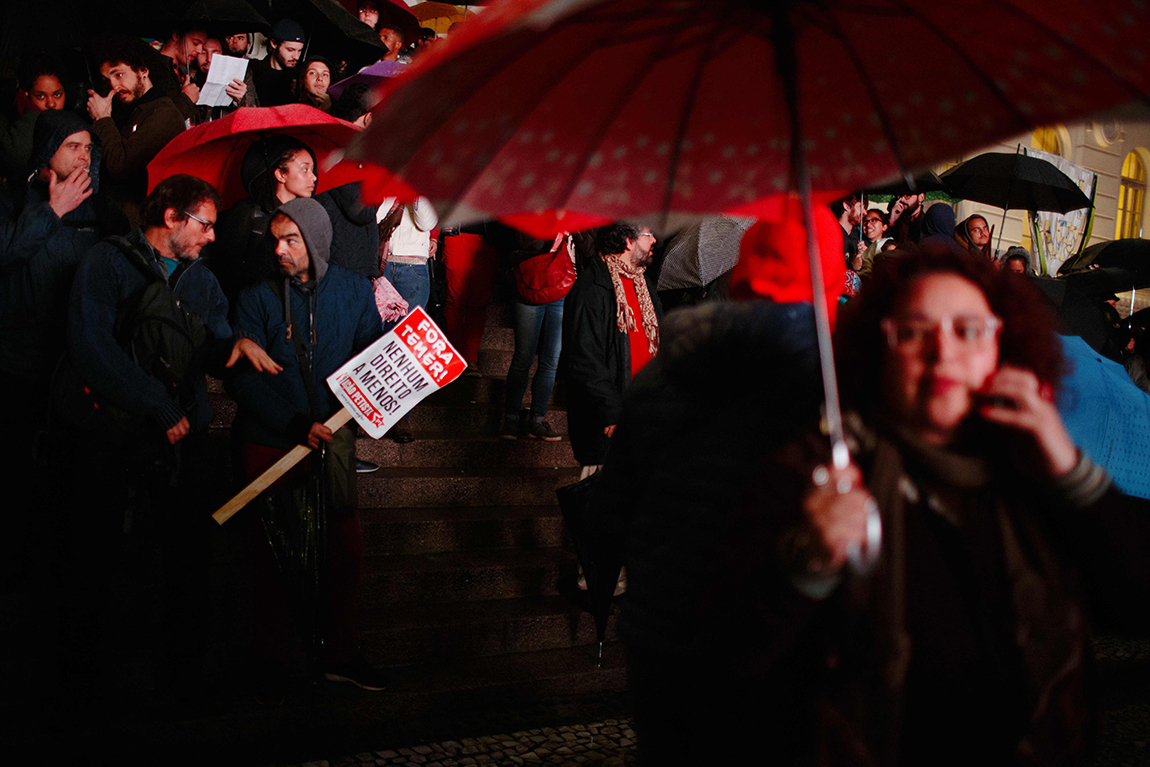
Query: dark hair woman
{"type": "Point", "coordinates": [970, 630]}
{"type": "Point", "coordinates": [274, 171]}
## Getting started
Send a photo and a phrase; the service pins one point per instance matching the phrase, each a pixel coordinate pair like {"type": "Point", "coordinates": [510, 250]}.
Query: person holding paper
{"type": "Point", "coordinates": [312, 318]}
{"type": "Point", "coordinates": [242, 92]}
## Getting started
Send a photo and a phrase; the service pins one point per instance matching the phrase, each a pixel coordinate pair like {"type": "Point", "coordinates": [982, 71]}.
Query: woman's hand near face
{"type": "Point", "coordinates": [835, 508]}
{"type": "Point", "coordinates": [1035, 416]}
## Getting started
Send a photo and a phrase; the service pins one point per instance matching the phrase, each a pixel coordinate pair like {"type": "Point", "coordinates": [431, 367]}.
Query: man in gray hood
{"type": "Point", "coordinates": [311, 318]}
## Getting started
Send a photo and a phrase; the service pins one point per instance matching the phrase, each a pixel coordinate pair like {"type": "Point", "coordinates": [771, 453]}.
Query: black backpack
{"type": "Point", "coordinates": [160, 336]}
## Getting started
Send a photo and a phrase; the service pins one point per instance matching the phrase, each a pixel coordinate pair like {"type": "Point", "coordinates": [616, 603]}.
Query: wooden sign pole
{"type": "Point", "coordinates": [277, 470]}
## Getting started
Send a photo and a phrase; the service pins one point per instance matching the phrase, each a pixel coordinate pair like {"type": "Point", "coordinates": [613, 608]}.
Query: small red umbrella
{"type": "Point", "coordinates": [215, 151]}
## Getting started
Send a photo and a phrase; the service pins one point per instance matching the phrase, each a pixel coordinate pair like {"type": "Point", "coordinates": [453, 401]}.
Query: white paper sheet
{"type": "Point", "coordinates": [223, 70]}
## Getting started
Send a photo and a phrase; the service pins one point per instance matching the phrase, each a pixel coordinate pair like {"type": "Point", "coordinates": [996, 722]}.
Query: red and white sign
{"type": "Point", "coordinates": [387, 379]}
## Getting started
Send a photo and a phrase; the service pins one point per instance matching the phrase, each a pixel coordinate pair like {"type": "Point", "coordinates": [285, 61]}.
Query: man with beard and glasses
{"type": "Point", "coordinates": [610, 330]}
{"type": "Point", "coordinates": [132, 410]}
{"type": "Point", "coordinates": [154, 120]}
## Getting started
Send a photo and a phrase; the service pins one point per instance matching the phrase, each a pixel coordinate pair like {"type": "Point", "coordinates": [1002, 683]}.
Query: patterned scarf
{"type": "Point", "coordinates": [624, 317]}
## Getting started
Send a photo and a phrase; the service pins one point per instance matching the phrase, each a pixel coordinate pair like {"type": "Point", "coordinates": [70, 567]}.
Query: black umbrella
{"type": "Point", "coordinates": [1077, 314]}
{"type": "Point", "coordinates": [332, 29]}
{"type": "Point", "coordinates": [1015, 181]}
{"type": "Point", "coordinates": [574, 502]}
{"type": "Point", "coordinates": [1131, 254]}
{"type": "Point", "coordinates": [231, 15]}
{"type": "Point", "coordinates": [1101, 284]}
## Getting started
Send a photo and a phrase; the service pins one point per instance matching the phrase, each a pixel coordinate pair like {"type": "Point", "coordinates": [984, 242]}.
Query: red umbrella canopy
{"type": "Point", "coordinates": [622, 108]}
{"type": "Point", "coordinates": [215, 151]}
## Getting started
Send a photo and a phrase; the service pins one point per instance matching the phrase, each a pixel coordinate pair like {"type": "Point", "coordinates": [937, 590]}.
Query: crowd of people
{"type": "Point", "coordinates": [711, 492]}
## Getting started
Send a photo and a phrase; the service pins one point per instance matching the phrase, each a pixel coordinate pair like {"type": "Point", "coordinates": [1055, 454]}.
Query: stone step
{"type": "Point", "coordinates": [466, 390]}
{"type": "Point", "coordinates": [501, 338]}
{"type": "Point", "coordinates": [458, 576]}
{"type": "Point", "coordinates": [470, 419]}
{"type": "Point", "coordinates": [446, 450]}
{"type": "Point", "coordinates": [474, 528]}
{"type": "Point", "coordinates": [396, 487]}
{"type": "Point", "coordinates": [500, 315]}
{"type": "Point", "coordinates": [496, 362]}
{"type": "Point", "coordinates": [395, 636]}
{"type": "Point", "coordinates": [465, 418]}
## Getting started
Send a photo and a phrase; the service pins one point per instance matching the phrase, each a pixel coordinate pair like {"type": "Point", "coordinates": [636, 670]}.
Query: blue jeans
{"type": "Point", "coordinates": [538, 329]}
{"type": "Point", "coordinates": [412, 281]}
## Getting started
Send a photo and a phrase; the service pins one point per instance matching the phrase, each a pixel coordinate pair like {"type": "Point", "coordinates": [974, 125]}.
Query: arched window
{"type": "Point", "coordinates": [1131, 195]}
{"type": "Point", "coordinates": [1047, 140]}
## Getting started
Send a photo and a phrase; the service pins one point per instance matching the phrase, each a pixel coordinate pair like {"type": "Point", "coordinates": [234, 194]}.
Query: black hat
{"type": "Point", "coordinates": [287, 31]}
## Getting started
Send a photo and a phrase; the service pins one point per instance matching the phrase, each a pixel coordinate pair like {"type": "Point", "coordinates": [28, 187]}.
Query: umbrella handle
{"type": "Point", "coordinates": [862, 559]}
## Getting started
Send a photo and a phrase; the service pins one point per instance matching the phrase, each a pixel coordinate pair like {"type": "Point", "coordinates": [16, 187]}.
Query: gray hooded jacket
{"type": "Point", "coordinates": [275, 410]}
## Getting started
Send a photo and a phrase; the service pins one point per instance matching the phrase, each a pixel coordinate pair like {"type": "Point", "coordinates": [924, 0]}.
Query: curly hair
{"type": "Point", "coordinates": [1027, 340]}
{"type": "Point", "coordinates": [180, 193]}
{"type": "Point", "coordinates": [115, 49]}
{"type": "Point", "coordinates": [612, 239]}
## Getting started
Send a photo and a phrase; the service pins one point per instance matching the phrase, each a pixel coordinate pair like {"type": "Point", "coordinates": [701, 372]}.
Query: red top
{"type": "Point", "coordinates": [640, 355]}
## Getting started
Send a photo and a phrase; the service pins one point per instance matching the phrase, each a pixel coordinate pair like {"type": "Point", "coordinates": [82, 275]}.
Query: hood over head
{"type": "Point", "coordinates": [938, 219]}
{"type": "Point", "coordinates": [315, 226]}
{"type": "Point", "coordinates": [52, 127]}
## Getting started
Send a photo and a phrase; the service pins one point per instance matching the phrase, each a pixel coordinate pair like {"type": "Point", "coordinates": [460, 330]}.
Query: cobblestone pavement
{"type": "Point", "coordinates": [610, 743]}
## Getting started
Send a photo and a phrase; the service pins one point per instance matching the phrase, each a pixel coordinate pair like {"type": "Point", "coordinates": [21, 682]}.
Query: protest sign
{"type": "Point", "coordinates": [387, 379]}
{"type": "Point", "coordinates": [377, 387]}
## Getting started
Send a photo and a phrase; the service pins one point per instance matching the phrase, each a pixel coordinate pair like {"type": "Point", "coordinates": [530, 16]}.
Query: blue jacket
{"type": "Point", "coordinates": [39, 252]}
{"type": "Point", "coordinates": [273, 409]}
{"type": "Point", "coordinates": [107, 283]}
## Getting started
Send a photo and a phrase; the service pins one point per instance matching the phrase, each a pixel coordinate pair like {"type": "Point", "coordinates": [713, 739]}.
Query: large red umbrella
{"type": "Point", "coordinates": [629, 107]}
{"type": "Point", "coordinates": [673, 108]}
{"type": "Point", "coordinates": [215, 151]}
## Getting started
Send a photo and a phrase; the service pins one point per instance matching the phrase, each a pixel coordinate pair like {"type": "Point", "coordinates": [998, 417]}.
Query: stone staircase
{"type": "Point", "coordinates": [465, 556]}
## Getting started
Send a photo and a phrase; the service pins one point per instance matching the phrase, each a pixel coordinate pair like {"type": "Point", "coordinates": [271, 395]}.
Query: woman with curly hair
{"type": "Point", "coordinates": [966, 640]}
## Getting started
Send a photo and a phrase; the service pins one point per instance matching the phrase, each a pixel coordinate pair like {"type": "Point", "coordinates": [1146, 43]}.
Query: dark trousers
{"type": "Point", "coordinates": [270, 600]}
{"type": "Point", "coordinates": [123, 528]}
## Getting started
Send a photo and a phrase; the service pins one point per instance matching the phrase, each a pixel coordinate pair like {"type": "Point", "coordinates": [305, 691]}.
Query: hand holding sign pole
{"type": "Point", "coordinates": [377, 387]}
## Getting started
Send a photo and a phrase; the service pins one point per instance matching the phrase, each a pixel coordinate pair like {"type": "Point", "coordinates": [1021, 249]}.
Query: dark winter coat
{"type": "Point", "coordinates": [107, 284]}
{"type": "Point", "coordinates": [128, 149]}
{"type": "Point", "coordinates": [39, 253]}
{"type": "Point", "coordinates": [354, 233]}
{"type": "Point", "coordinates": [274, 409]}
{"type": "Point", "coordinates": [596, 361]}
{"type": "Point", "coordinates": [696, 421]}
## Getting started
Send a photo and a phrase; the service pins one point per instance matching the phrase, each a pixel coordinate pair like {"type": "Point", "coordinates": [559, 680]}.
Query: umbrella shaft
{"type": "Point", "coordinates": [786, 60]}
